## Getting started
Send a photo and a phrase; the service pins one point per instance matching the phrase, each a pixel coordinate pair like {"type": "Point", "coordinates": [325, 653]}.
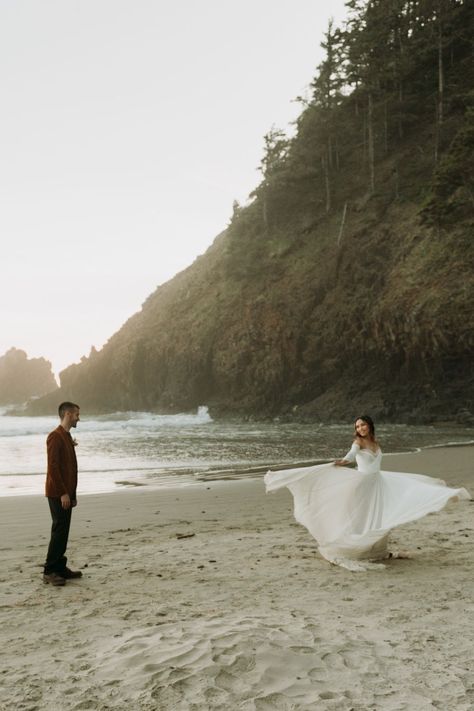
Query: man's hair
{"type": "Point", "coordinates": [66, 407]}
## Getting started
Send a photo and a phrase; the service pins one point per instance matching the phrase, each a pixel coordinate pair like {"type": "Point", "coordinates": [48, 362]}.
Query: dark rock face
{"type": "Point", "coordinates": [22, 378]}
{"type": "Point", "coordinates": [379, 324]}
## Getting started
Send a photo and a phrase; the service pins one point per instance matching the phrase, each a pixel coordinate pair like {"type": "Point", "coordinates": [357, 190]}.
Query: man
{"type": "Point", "coordinates": [61, 484]}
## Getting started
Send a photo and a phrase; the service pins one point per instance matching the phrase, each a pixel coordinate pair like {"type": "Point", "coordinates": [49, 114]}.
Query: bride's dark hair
{"type": "Point", "coordinates": [369, 421]}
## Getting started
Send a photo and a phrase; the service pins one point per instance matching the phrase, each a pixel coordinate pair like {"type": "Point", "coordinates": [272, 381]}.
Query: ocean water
{"type": "Point", "coordinates": [128, 449]}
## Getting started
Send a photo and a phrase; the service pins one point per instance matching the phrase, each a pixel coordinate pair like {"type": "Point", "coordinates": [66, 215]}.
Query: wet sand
{"type": "Point", "coordinates": [212, 597]}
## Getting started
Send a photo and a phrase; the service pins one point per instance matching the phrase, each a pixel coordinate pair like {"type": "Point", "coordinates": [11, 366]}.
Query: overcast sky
{"type": "Point", "coordinates": [127, 130]}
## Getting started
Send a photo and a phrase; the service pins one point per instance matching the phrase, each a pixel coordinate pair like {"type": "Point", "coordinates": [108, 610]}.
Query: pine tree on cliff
{"type": "Point", "coordinates": [327, 97]}
{"type": "Point", "coordinates": [272, 167]}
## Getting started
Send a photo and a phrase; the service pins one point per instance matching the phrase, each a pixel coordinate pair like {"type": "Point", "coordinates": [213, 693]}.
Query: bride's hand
{"type": "Point", "coordinates": [340, 462]}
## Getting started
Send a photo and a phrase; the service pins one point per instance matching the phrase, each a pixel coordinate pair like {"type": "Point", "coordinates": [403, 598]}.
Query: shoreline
{"type": "Point", "coordinates": [226, 475]}
{"type": "Point", "coordinates": [212, 597]}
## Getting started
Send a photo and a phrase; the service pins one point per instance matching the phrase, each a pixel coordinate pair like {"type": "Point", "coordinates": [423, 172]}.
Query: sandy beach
{"type": "Point", "coordinates": [212, 597]}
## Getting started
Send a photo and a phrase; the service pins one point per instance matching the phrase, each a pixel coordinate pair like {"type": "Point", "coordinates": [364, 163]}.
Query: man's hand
{"type": "Point", "coordinates": [65, 501]}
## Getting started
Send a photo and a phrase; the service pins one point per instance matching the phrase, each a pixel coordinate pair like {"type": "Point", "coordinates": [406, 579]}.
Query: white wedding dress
{"type": "Point", "coordinates": [350, 512]}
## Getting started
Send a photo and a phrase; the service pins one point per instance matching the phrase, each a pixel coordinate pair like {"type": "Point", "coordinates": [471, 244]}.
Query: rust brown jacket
{"type": "Point", "coordinates": [61, 477]}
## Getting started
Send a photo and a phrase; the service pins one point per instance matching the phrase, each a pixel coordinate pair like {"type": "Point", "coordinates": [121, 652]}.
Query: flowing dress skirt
{"type": "Point", "coordinates": [351, 512]}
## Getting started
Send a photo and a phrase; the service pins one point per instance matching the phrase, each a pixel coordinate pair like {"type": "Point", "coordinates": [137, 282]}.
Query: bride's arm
{"type": "Point", "coordinates": [349, 457]}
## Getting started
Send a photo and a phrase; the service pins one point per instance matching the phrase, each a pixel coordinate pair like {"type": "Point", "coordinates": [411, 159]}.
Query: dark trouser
{"type": "Point", "coordinates": [56, 560]}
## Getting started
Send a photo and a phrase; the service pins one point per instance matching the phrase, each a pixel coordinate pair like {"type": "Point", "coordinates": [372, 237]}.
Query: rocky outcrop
{"type": "Point", "coordinates": [379, 322]}
{"type": "Point", "coordinates": [22, 378]}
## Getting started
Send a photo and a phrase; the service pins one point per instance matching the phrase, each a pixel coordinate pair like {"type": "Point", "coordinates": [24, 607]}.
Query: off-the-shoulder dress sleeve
{"type": "Point", "coordinates": [351, 454]}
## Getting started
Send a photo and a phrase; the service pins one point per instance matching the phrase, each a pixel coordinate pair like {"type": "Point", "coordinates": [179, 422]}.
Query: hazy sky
{"type": "Point", "coordinates": [127, 130]}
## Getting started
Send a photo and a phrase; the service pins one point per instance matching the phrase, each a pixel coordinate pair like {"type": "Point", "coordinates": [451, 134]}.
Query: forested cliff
{"type": "Point", "coordinates": [346, 282]}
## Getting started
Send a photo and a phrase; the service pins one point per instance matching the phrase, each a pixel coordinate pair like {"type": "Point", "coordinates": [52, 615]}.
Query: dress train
{"type": "Point", "coordinates": [350, 512]}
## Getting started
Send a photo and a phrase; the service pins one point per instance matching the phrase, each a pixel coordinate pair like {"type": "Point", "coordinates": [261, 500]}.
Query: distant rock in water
{"type": "Point", "coordinates": [22, 378]}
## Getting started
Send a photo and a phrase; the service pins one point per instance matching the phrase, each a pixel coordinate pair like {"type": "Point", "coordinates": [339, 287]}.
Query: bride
{"type": "Point", "coordinates": [350, 512]}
